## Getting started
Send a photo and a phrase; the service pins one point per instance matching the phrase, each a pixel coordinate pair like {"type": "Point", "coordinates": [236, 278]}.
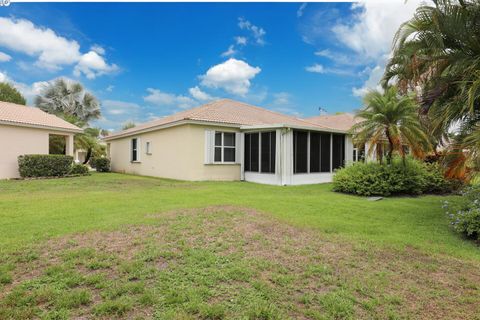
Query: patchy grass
{"type": "Point", "coordinates": [45, 208]}
{"type": "Point", "coordinates": [228, 262]}
{"type": "Point", "coordinates": [111, 246]}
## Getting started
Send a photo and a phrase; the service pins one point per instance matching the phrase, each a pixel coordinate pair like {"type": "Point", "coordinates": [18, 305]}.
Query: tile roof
{"type": "Point", "coordinates": [224, 111]}
{"type": "Point", "coordinates": [343, 121]}
{"type": "Point", "coordinates": [33, 117]}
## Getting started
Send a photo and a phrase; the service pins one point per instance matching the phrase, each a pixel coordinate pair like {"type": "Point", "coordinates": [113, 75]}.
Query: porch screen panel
{"type": "Point", "coordinates": [273, 150]}
{"type": "Point", "coordinates": [246, 154]}
{"type": "Point", "coordinates": [251, 152]}
{"type": "Point", "coordinates": [300, 151]}
{"type": "Point", "coordinates": [325, 152]}
{"type": "Point", "coordinates": [338, 151]}
{"type": "Point", "coordinates": [268, 152]}
{"type": "Point", "coordinates": [314, 152]}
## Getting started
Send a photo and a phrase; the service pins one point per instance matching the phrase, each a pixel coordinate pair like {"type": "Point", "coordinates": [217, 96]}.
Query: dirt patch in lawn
{"type": "Point", "coordinates": [231, 262]}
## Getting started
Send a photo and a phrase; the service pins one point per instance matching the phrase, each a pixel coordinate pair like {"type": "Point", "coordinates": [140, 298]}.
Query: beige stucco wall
{"type": "Point", "coordinates": [17, 140]}
{"type": "Point", "coordinates": [176, 152]}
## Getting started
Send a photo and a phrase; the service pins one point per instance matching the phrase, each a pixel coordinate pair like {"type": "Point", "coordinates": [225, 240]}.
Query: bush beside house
{"type": "Point", "coordinates": [464, 213]}
{"type": "Point", "coordinates": [101, 164]}
{"type": "Point", "coordinates": [79, 169]}
{"type": "Point", "coordinates": [48, 165]}
{"type": "Point", "coordinates": [410, 177]}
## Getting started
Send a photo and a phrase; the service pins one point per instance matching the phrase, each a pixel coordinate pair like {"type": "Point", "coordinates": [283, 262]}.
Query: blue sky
{"type": "Point", "coordinates": [147, 60]}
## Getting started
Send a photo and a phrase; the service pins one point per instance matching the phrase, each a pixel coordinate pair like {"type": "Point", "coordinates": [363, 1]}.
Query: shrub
{"type": "Point", "coordinates": [44, 165]}
{"type": "Point", "coordinates": [78, 168]}
{"type": "Point", "coordinates": [101, 164]}
{"type": "Point", "coordinates": [412, 177]}
{"type": "Point", "coordinates": [464, 214]}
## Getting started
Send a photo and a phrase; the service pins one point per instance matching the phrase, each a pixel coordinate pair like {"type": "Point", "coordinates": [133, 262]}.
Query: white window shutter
{"type": "Point", "coordinates": [209, 150]}
{"type": "Point", "coordinates": [131, 149]}
{"type": "Point", "coordinates": [238, 147]}
{"type": "Point", "coordinates": [139, 149]}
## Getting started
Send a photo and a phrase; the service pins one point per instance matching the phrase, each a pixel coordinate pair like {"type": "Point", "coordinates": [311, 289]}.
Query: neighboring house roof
{"type": "Point", "coordinates": [342, 121]}
{"type": "Point", "coordinates": [15, 114]}
{"type": "Point", "coordinates": [225, 112]}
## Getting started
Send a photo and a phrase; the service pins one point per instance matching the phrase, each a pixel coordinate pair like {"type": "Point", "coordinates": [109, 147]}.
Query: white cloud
{"type": "Point", "coordinates": [371, 29]}
{"type": "Point", "coordinates": [281, 98]}
{"type": "Point", "coordinates": [51, 50]}
{"type": "Point", "coordinates": [372, 83]}
{"type": "Point", "coordinates": [233, 76]}
{"type": "Point", "coordinates": [338, 58]}
{"type": "Point", "coordinates": [316, 68]}
{"type": "Point", "coordinates": [200, 95]}
{"type": "Point", "coordinates": [92, 64]}
{"type": "Point", "coordinates": [3, 77]}
{"type": "Point", "coordinates": [116, 107]}
{"type": "Point", "coordinates": [301, 9]}
{"type": "Point", "coordinates": [4, 57]}
{"type": "Point", "coordinates": [98, 49]}
{"type": "Point", "coordinates": [257, 32]}
{"type": "Point", "coordinates": [230, 51]}
{"type": "Point", "coordinates": [369, 34]}
{"type": "Point", "coordinates": [160, 98]}
{"type": "Point", "coordinates": [241, 41]}
{"type": "Point", "coordinates": [110, 88]}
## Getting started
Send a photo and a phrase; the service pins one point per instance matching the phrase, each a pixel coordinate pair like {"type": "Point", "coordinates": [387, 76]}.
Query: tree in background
{"type": "Point", "coordinates": [9, 94]}
{"type": "Point", "coordinates": [437, 55]}
{"type": "Point", "coordinates": [70, 101]}
{"type": "Point", "coordinates": [128, 125]}
{"type": "Point", "coordinates": [392, 118]}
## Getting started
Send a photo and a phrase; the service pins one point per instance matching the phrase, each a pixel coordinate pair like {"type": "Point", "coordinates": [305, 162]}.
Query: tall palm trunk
{"type": "Point", "coordinates": [390, 146]}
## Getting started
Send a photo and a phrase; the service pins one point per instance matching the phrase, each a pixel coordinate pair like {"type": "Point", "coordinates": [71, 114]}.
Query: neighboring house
{"type": "Point", "coordinates": [28, 130]}
{"type": "Point", "coordinates": [230, 140]}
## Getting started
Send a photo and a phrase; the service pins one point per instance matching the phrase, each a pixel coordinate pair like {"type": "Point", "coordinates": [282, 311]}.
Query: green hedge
{"type": "Point", "coordinates": [101, 164]}
{"type": "Point", "coordinates": [44, 165]}
{"type": "Point", "coordinates": [371, 178]}
{"type": "Point", "coordinates": [78, 168]}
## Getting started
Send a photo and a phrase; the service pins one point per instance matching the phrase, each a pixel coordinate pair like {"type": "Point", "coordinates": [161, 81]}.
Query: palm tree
{"type": "Point", "coordinates": [392, 118]}
{"type": "Point", "coordinates": [437, 54]}
{"type": "Point", "coordinates": [128, 125]}
{"type": "Point", "coordinates": [69, 100]}
{"type": "Point", "coordinates": [89, 141]}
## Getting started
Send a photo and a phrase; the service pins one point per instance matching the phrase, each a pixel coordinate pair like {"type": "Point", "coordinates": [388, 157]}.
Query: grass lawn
{"type": "Point", "coordinates": [112, 245]}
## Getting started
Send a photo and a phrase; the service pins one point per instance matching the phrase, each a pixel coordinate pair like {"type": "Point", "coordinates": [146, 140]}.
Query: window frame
{"type": "Point", "coordinates": [222, 147]}
{"type": "Point", "coordinates": [134, 150]}
{"type": "Point", "coordinates": [148, 147]}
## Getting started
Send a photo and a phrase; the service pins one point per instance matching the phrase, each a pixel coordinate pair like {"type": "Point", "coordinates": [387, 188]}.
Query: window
{"type": "Point", "coordinates": [268, 147]}
{"type": "Point", "coordinates": [251, 152]}
{"type": "Point", "coordinates": [148, 147]}
{"type": "Point", "coordinates": [224, 147]}
{"type": "Point", "coordinates": [355, 154]}
{"type": "Point", "coordinates": [300, 151]}
{"type": "Point", "coordinates": [338, 151]}
{"type": "Point", "coordinates": [134, 148]}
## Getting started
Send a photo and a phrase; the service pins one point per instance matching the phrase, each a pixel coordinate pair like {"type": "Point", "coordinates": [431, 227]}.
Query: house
{"type": "Point", "coordinates": [29, 130]}
{"type": "Point", "coordinates": [231, 140]}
